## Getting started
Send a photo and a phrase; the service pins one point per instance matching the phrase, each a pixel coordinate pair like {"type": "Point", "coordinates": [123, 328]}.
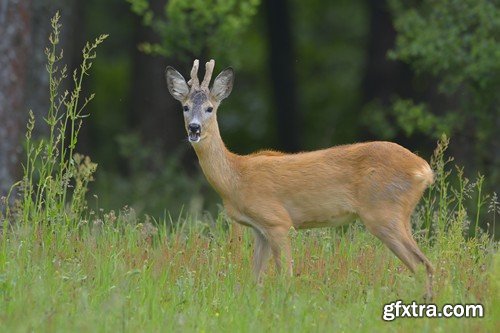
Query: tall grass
{"type": "Point", "coordinates": [64, 267]}
{"type": "Point", "coordinates": [55, 179]}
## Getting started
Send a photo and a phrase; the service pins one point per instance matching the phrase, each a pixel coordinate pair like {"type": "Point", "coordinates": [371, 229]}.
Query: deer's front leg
{"type": "Point", "coordinates": [261, 252]}
{"type": "Point", "coordinates": [282, 249]}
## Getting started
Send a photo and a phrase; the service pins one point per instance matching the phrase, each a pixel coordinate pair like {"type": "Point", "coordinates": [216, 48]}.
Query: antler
{"type": "Point", "coordinates": [209, 68]}
{"type": "Point", "coordinates": [194, 82]}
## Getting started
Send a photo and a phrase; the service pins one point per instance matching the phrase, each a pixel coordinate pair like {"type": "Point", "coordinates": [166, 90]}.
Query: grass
{"type": "Point", "coordinates": [119, 276]}
{"type": "Point", "coordinates": [66, 268]}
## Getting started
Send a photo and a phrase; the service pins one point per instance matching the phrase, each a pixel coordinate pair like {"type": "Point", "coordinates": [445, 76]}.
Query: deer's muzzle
{"type": "Point", "coordinates": [194, 132]}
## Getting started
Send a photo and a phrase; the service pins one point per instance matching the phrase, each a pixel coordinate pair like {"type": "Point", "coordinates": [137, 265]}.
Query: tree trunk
{"type": "Point", "coordinates": [37, 83]}
{"type": "Point", "coordinates": [156, 115]}
{"type": "Point", "coordinates": [15, 30]}
{"type": "Point", "coordinates": [384, 78]}
{"type": "Point", "coordinates": [281, 62]}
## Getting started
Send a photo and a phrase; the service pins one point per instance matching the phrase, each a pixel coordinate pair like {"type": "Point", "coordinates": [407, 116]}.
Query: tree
{"type": "Point", "coordinates": [457, 43]}
{"type": "Point", "coordinates": [383, 78]}
{"type": "Point", "coordinates": [150, 92]}
{"type": "Point", "coordinates": [37, 83]}
{"type": "Point", "coordinates": [14, 57]}
{"type": "Point", "coordinates": [24, 85]}
{"type": "Point", "coordinates": [281, 67]}
{"type": "Point", "coordinates": [452, 48]}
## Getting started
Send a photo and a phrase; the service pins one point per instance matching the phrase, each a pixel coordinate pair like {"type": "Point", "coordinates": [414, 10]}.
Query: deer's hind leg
{"type": "Point", "coordinates": [395, 232]}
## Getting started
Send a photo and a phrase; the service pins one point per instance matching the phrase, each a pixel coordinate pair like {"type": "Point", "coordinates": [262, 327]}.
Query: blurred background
{"type": "Point", "coordinates": [309, 75]}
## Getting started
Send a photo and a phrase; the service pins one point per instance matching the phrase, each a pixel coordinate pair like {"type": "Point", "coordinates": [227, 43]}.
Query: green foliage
{"type": "Point", "coordinates": [53, 174]}
{"type": "Point", "coordinates": [415, 117]}
{"type": "Point", "coordinates": [197, 27]}
{"type": "Point", "coordinates": [455, 40]}
{"type": "Point", "coordinates": [458, 43]}
{"type": "Point", "coordinates": [411, 118]}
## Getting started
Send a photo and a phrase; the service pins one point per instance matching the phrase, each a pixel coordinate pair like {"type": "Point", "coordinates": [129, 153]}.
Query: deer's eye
{"type": "Point", "coordinates": [186, 108]}
{"type": "Point", "coordinates": [210, 109]}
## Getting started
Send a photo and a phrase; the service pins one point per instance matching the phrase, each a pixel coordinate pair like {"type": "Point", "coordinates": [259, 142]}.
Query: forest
{"type": "Point", "coordinates": [95, 162]}
{"type": "Point", "coordinates": [309, 75]}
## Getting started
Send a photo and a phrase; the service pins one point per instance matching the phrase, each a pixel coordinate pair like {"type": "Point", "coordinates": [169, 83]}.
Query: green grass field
{"type": "Point", "coordinates": [113, 275]}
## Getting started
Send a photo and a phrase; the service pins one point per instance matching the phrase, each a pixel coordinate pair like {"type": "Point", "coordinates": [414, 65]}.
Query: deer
{"type": "Point", "coordinates": [379, 183]}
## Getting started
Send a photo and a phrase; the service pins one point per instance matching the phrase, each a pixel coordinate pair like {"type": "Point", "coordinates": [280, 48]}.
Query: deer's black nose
{"type": "Point", "coordinates": [194, 127]}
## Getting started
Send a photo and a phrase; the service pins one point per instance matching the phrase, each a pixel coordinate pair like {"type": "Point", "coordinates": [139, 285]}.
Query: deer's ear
{"type": "Point", "coordinates": [223, 84]}
{"type": "Point", "coordinates": [176, 83]}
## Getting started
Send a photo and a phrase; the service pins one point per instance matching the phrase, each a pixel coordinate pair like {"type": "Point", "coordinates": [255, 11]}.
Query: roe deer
{"type": "Point", "coordinates": [378, 182]}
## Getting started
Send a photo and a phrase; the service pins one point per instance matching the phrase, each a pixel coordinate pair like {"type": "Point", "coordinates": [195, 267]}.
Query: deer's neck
{"type": "Point", "coordinates": [218, 164]}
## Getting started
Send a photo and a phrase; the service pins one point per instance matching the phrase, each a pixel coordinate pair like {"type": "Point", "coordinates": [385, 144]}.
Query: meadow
{"type": "Point", "coordinates": [114, 274]}
{"type": "Point", "coordinates": [65, 267]}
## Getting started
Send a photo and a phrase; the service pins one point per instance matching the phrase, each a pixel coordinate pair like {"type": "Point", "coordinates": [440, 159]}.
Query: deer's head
{"type": "Point", "coordinates": [200, 103]}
